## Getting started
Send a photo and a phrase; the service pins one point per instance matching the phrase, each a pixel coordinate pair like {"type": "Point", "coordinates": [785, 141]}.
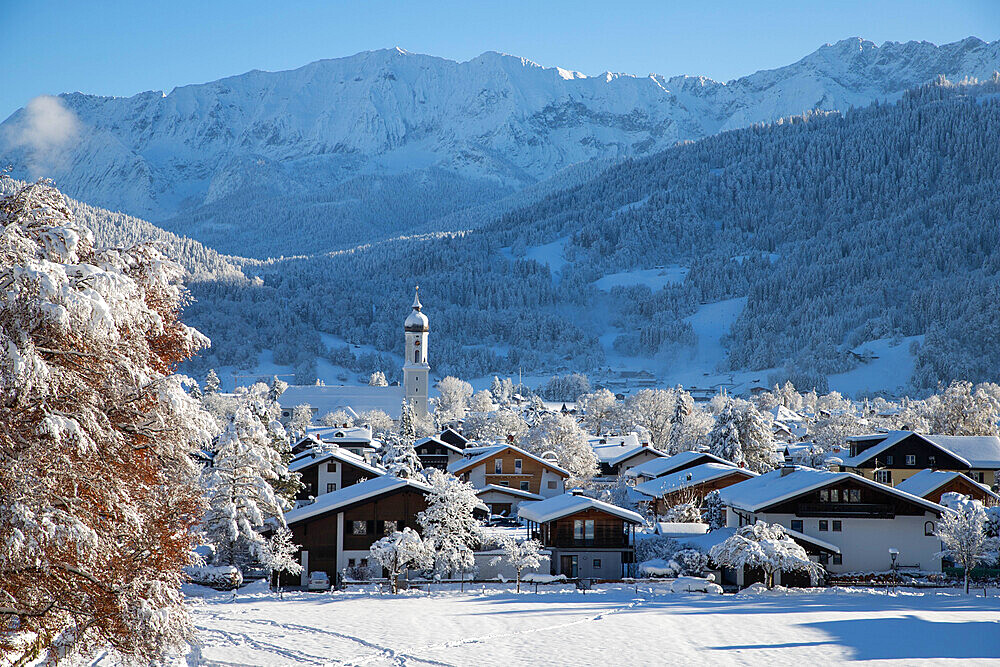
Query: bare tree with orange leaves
{"type": "Point", "coordinates": [98, 494]}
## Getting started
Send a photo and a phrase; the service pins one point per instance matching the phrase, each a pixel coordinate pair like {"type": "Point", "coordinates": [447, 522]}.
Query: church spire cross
{"type": "Point", "coordinates": [416, 299]}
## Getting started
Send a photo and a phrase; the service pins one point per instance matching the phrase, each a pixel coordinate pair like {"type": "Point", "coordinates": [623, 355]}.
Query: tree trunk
{"type": "Point", "coordinates": [518, 581]}
{"type": "Point", "coordinates": [769, 577]}
{"type": "Point", "coordinates": [966, 579]}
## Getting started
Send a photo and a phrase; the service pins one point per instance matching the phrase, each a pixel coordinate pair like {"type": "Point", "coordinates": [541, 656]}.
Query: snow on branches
{"type": "Point", "coordinates": [400, 551]}
{"type": "Point", "coordinates": [98, 493]}
{"type": "Point", "coordinates": [523, 555]}
{"type": "Point", "coordinates": [448, 524]}
{"type": "Point", "coordinates": [766, 546]}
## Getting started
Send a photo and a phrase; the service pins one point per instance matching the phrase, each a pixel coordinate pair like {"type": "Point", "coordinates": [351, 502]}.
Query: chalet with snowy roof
{"type": "Point", "coordinates": [861, 517]}
{"type": "Point", "coordinates": [327, 469]}
{"type": "Point", "coordinates": [337, 530]}
{"type": "Point", "coordinates": [696, 482]}
{"type": "Point", "coordinates": [932, 484]}
{"type": "Point", "coordinates": [356, 439]}
{"type": "Point", "coordinates": [505, 500]}
{"type": "Point", "coordinates": [681, 461]}
{"type": "Point", "coordinates": [436, 453]}
{"type": "Point", "coordinates": [511, 467]}
{"type": "Point", "coordinates": [618, 453]}
{"type": "Point", "coordinates": [892, 457]}
{"type": "Point", "coordinates": [355, 400]}
{"type": "Point", "coordinates": [587, 538]}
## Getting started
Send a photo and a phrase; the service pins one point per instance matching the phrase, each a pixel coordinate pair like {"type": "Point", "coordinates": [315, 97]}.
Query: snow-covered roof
{"type": "Point", "coordinates": [350, 434]}
{"type": "Point", "coordinates": [926, 481]}
{"type": "Point", "coordinates": [658, 467]}
{"type": "Point", "coordinates": [510, 491]}
{"type": "Point", "coordinates": [320, 454]}
{"type": "Point", "coordinates": [975, 451]}
{"type": "Point", "coordinates": [330, 398]}
{"type": "Point", "coordinates": [571, 503]}
{"type": "Point", "coordinates": [829, 546]}
{"type": "Point", "coordinates": [416, 320]}
{"type": "Point", "coordinates": [349, 495]}
{"type": "Point", "coordinates": [616, 448]}
{"type": "Point", "coordinates": [706, 472]}
{"type": "Point", "coordinates": [782, 414]}
{"type": "Point", "coordinates": [774, 487]}
{"type": "Point", "coordinates": [675, 529]}
{"type": "Point", "coordinates": [438, 441]}
{"type": "Point", "coordinates": [487, 453]}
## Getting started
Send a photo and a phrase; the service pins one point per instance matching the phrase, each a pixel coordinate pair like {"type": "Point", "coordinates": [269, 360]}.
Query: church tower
{"type": "Point", "coordinates": [416, 369]}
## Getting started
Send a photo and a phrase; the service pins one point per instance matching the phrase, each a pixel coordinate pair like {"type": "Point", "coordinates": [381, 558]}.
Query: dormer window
{"type": "Point", "coordinates": [911, 459]}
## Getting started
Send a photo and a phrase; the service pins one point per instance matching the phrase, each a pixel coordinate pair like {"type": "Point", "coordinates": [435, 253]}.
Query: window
{"type": "Point", "coordinates": [854, 496]}
{"type": "Point", "coordinates": [498, 466]}
{"type": "Point", "coordinates": [517, 466]}
{"type": "Point", "coordinates": [359, 528]}
{"type": "Point", "coordinates": [838, 559]}
{"type": "Point", "coordinates": [797, 525]}
{"type": "Point", "coordinates": [416, 356]}
{"type": "Point", "coordinates": [911, 459]}
{"type": "Point", "coordinates": [824, 496]}
{"type": "Point", "coordinates": [350, 562]}
{"type": "Point", "coordinates": [834, 496]}
{"type": "Point", "coordinates": [331, 467]}
{"type": "Point", "coordinates": [888, 459]}
{"type": "Point", "coordinates": [504, 482]}
{"type": "Point", "coordinates": [597, 563]}
{"type": "Point", "coordinates": [979, 476]}
{"type": "Point", "coordinates": [389, 528]}
{"type": "Point", "coordinates": [552, 484]}
{"type": "Point", "coordinates": [331, 487]}
{"type": "Point", "coordinates": [524, 486]}
{"type": "Point", "coordinates": [931, 461]}
{"type": "Point", "coordinates": [929, 529]}
{"type": "Point", "coordinates": [577, 529]}
{"type": "Point", "coordinates": [838, 526]}
{"type": "Point", "coordinates": [364, 562]}
{"type": "Point", "coordinates": [883, 476]}
{"type": "Point", "coordinates": [583, 529]}
{"type": "Point", "coordinates": [824, 526]}
{"type": "Point", "coordinates": [824, 559]}
{"type": "Point", "coordinates": [588, 529]}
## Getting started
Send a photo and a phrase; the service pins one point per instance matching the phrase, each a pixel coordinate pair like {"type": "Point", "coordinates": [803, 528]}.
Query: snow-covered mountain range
{"type": "Point", "coordinates": [498, 117]}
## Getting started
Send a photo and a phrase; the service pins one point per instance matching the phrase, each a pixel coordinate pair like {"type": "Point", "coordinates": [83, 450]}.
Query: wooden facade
{"type": "Point", "coordinates": [699, 490]}
{"type": "Point", "coordinates": [961, 485]}
{"type": "Point", "coordinates": [349, 475]}
{"type": "Point", "coordinates": [514, 469]}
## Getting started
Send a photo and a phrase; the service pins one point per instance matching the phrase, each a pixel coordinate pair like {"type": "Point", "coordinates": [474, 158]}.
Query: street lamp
{"type": "Point", "coordinates": [893, 554]}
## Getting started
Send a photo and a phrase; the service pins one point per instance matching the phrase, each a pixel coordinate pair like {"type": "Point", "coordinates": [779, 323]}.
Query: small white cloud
{"type": "Point", "coordinates": [46, 131]}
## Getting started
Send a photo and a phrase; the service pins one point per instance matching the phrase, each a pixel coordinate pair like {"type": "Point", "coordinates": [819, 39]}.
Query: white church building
{"type": "Point", "coordinates": [355, 399]}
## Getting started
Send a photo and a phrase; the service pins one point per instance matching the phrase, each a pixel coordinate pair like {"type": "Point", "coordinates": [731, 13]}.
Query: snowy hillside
{"type": "Point", "coordinates": [496, 123]}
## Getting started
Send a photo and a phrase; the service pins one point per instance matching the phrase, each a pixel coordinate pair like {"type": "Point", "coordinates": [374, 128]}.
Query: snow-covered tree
{"type": "Point", "coordinates": [400, 459]}
{"type": "Point", "coordinates": [715, 511]}
{"type": "Point", "coordinates": [691, 431]}
{"type": "Point", "coordinates": [453, 399]}
{"type": "Point", "coordinates": [962, 530]}
{"type": "Point", "coordinates": [565, 387]}
{"type": "Point", "coordinates": [598, 409]}
{"type": "Point", "coordinates": [377, 379]}
{"type": "Point", "coordinates": [211, 382]}
{"type": "Point", "coordinates": [280, 554]}
{"type": "Point", "coordinates": [503, 425]}
{"type": "Point", "coordinates": [239, 483]}
{"type": "Point", "coordinates": [379, 421]}
{"type": "Point", "coordinates": [302, 416]}
{"type": "Point", "coordinates": [562, 435]}
{"type": "Point", "coordinates": [743, 436]}
{"type": "Point", "coordinates": [403, 550]}
{"type": "Point", "coordinates": [482, 401]}
{"type": "Point", "coordinates": [407, 429]}
{"type": "Point", "coordinates": [687, 512]}
{"type": "Point", "coordinates": [768, 547]}
{"type": "Point", "coordinates": [520, 555]}
{"type": "Point", "coordinates": [962, 410]}
{"type": "Point", "coordinates": [448, 526]}
{"type": "Point", "coordinates": [337, 418]}
{"type": "Point", "coordinates": [501, 391]}
{"type": "Point", "coordinates": [98, 493]}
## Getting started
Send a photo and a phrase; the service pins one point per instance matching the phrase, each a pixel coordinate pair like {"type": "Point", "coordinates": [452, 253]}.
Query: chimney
{"type": "Point", "coordinates": [787, 466]}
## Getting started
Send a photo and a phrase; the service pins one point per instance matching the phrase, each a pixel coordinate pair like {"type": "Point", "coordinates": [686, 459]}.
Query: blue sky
{"type": "Point", "coordinates": [121, 48]}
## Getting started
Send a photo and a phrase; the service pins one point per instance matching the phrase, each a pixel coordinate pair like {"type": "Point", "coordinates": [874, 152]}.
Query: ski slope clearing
{"type": "Point", "coordinates": [654, 279]}
{"type": "Point", "coordinates": [613, 624]}
{"type": "Point", "coordinates": [889, 363]}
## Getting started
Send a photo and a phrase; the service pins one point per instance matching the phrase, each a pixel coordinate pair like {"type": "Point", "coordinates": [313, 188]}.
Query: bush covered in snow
{"type": "Point", "coordinates": [220, 577]}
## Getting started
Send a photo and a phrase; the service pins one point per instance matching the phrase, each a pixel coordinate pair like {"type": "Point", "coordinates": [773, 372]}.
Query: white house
{"type": "Point", "coordinates": [862, 518]}
{"type": "Point", "coordinates": [618, 453]}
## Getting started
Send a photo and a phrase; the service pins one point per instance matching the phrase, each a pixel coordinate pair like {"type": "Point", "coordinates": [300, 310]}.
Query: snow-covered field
{"type": "Point", "coordinates": [610, 625]}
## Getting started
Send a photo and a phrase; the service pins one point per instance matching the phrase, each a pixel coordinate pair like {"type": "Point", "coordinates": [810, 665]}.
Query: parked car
{"type": "Point", "coordinates": [319, 581]}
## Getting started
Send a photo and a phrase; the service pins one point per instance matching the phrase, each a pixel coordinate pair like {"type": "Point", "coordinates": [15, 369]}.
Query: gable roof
{"type": "Point", "coordinates": [927, 481]}
{"type": "Point", "coordinates": [892, 438]}
{"type": "Point", "coordinates": [772, 488]}
{"type": "Point", "coordinates": [437, 441]}
{"type": "Point", "coordinates": [329, 502]}
{"type": "Point", "coordinates": [706, 472]}
{"type": "Point", "coordinates": [478, 458]}
{"type": "Point", "coordinates": [351, 434]}
{"type": "Point", "coordinates": [618, 448]}
{"type": "Point", "coordinates": [453, 437]}
{"type": "Point", "coordinates": [571, 503]}
{"type": "Point", "coordinates": [320, 454]}
{"type": "Point", "coordinates": [658, 467]}
{"type": "Point", "coordinates": [510, 491]}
